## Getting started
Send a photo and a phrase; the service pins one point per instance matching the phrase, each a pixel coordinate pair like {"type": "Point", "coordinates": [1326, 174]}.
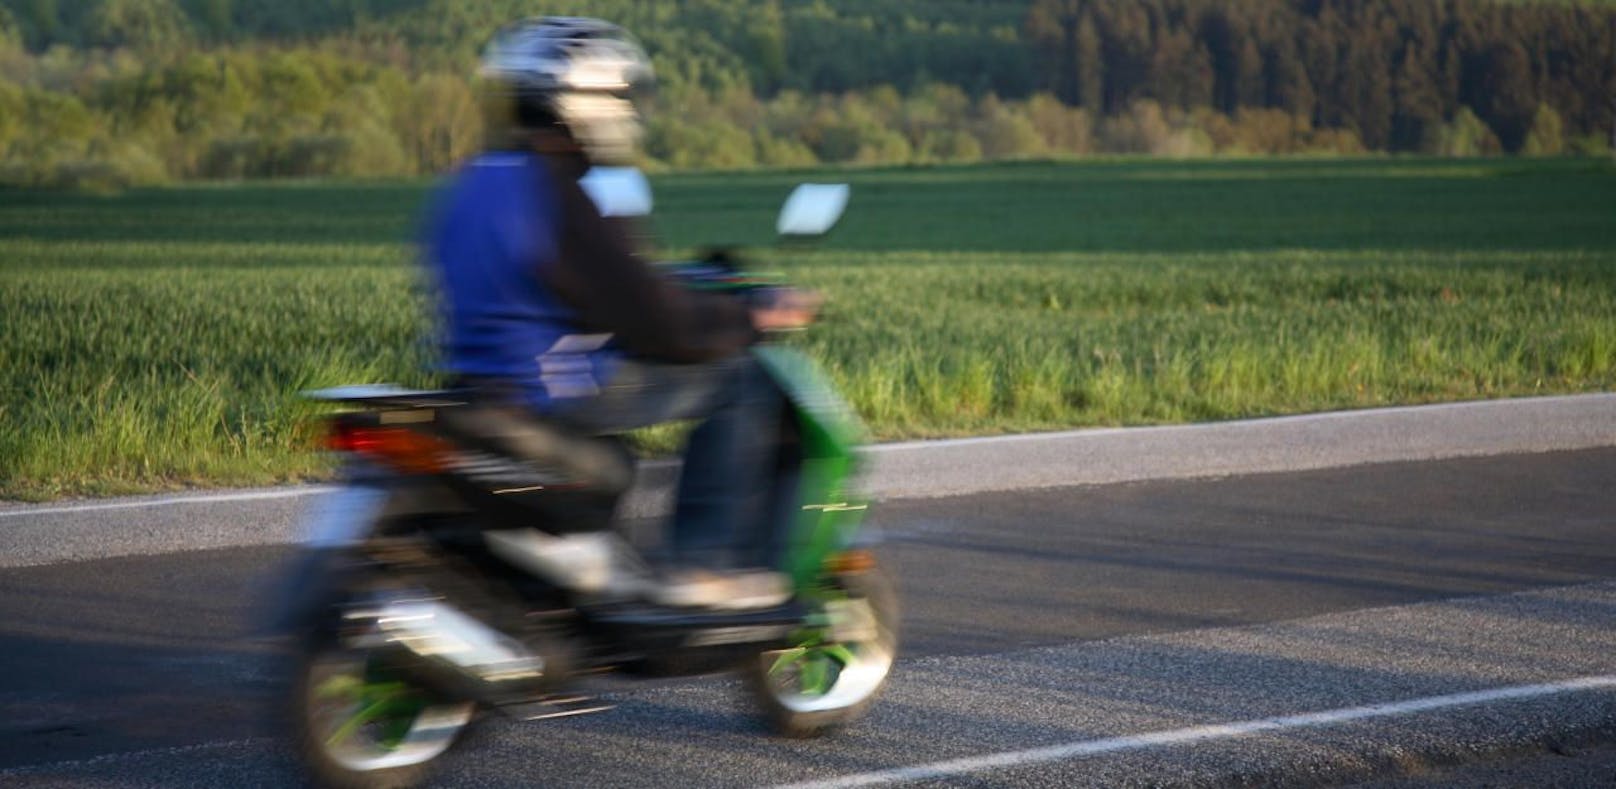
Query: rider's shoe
{"type": "Point", "coordinates": [721, 589]}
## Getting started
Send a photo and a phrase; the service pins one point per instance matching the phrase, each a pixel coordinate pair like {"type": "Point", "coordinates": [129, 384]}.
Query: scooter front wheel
{"type": "Point", "coordinates": [838, 665]}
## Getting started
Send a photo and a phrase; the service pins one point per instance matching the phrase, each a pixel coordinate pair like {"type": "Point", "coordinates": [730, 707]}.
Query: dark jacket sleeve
{"type": "Point", "coordinates": [598, 274]}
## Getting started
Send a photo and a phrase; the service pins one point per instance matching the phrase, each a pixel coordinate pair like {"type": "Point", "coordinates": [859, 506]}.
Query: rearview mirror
{"type": "Point", "coordinates": [618, 191]}
{"type": "Point", "coordinates": [813, 209]}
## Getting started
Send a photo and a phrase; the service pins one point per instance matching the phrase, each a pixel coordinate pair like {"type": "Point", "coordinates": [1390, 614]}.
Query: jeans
{"type": "Point", "coordinates": [722, 516]}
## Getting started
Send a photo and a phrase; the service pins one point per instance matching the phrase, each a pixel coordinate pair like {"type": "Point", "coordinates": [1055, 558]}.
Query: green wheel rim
{"type": "Point", "coordinates": [367, 722]}
{"type": "Point", "coordinates": [819, 674]}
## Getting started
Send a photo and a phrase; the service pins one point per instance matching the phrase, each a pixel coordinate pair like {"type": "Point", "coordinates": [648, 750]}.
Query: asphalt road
{"type": "Point", "coordinates": [1108, 626]}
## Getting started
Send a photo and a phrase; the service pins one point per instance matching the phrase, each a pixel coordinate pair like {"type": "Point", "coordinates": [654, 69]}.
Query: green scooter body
{"type": "Point", "coordinates": [829, 515]}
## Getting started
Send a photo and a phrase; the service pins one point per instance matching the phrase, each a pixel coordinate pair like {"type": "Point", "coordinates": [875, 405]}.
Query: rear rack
{"type": "Point", "coordinates": [389, 396]}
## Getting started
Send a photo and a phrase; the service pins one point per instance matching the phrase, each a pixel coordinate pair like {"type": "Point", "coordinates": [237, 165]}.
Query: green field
{"type": "Point", "coordinates": [157, 339]}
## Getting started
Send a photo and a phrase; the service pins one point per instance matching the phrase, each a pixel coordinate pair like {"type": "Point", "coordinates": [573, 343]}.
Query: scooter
{"type": "Point", "coordinates": [414, 618]}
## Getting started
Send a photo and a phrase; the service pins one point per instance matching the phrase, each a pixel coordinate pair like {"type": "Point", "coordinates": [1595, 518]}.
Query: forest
{"type": "Point", "coordinates": [110, 93]}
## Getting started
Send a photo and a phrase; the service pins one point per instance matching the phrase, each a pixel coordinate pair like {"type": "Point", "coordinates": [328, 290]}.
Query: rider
{"type": "Point", "coordinates": [547, 305]}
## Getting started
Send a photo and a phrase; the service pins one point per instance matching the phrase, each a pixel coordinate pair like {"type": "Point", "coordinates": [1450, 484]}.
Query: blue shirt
{"type": "Point", "coordinates": [496, 227]}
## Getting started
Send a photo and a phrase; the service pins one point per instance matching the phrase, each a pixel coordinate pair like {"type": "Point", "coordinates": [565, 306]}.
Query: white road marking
{"type": "Point", "coordinates": [958, 767]}
{"type": "Point", "coordinates": [211, 498]}
{"type": "Point", "coordinates": [1256, 423]}
{"type": "Point", "coordinates": [1072, 750]}
{"type": "Point", "coordinates": [165, 501]}
{"type": "Point", "coordinates": [1585, 402]}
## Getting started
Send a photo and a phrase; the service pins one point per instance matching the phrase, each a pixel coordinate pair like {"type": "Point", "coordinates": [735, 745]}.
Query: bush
{"type": "Point", "coordinates": [12, 106]}
{"type": "Point", "coordinates": [1546, 135]}
{"type": "Point", "coordinates": [1464, 135]}
{"type": "Point", "coordinates": [308, 155]}
{"type": "Point", "coordinates": [884, 146]}
{"type": "Point", "coordinates": [372, 150]}
{"type": "Point", "coordinates": [134, 164]}
{"type": "Point", "coordinates": [1589, 145]}
{"type": "Point", "coordinates": [775, 151]}
{"type": "Point", "coordinates": [14, 173]}
{"type": "Point", "coordinates": [235, 157]}
{"type": "Point", "coordinates": [1343, 142]}
{"type": "Point", "coordinates": [839, 143]}
{"type": "Point", "coordinates": [950, 146]}
{"type": "Point", "coordinates": [1064, 129]}
{"type": "Point", "coordinates": [1183, 143]}
{"type": "Point", "coordinates": [1269, 131]}
{"type": "Point", "coordinates": [1142, 129]}
{"type": "Point", "coordinates": [118, 167]}
{"type": "Point", "coordinates": [1004, 132]}
{"type": "Point", "coordinates": [709, 144]}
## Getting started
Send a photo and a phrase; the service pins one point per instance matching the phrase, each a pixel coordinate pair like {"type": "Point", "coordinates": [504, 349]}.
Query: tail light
{"type": "Point", "coordinates": [400, 447]}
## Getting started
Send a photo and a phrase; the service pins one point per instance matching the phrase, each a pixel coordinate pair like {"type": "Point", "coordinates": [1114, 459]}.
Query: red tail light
{"type": "Point", "coordinates": [408, 450]}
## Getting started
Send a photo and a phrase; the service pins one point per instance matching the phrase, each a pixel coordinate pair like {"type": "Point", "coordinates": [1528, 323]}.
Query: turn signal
{"type": "Point", "coordinates": [850, 562]}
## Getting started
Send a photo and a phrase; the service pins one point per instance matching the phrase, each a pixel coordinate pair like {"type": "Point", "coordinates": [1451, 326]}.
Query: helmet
{"type": "Point", "coordinates": [574, 71]}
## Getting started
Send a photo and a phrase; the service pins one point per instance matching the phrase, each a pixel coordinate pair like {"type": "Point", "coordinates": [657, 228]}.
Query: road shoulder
{"type": "Point", "coordinates": [86, 530]}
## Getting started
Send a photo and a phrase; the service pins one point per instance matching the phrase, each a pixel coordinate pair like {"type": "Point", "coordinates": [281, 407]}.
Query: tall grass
{"type": "Point", "coordinates": [159, 339]}
{"type": "Point", "coordinates": [174, 363]}
{"type": "Point", "coordinates": [960, 343]}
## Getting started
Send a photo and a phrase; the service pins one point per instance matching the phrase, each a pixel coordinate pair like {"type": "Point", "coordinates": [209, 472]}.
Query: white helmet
{"type": "Point", "coordinates": [574, 71]}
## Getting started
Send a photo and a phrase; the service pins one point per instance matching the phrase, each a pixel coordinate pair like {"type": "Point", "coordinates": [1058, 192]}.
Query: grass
{"type": "Point", "coordinates": [157, 339]}
{"type": "Point", "coordinates": [1052, 340]}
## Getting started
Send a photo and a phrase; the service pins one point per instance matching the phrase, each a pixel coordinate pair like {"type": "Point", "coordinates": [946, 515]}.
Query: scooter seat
{"type": "Point", "coordinates": [520, 446]}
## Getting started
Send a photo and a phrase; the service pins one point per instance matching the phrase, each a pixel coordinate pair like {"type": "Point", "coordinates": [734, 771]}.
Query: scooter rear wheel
{"type": "Point", "coordinates": [356, 727]}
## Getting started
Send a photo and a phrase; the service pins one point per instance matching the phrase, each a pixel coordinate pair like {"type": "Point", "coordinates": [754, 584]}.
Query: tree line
{"type": "Point", "coordinates": [117, 92]}
{"type": "Point", "coordinates": [1393, 72]}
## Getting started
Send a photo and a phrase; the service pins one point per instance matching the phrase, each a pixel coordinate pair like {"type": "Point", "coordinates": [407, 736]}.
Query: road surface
{"type": "Point", "coordinates": [1320, 627]}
